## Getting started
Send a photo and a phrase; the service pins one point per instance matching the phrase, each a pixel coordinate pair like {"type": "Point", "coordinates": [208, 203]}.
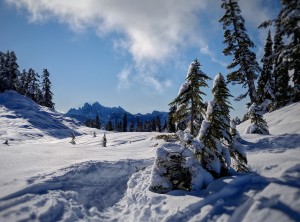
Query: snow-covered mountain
{"type": "Point", "coordinates": [89, 111]}
{"type": "Point", "coordinates": [50, 179]}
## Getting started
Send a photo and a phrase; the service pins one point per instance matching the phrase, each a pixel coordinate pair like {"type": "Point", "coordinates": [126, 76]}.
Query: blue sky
{"type": "Point", "coordinates": [130, 53]}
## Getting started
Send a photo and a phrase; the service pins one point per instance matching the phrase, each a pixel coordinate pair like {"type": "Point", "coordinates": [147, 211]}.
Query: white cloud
{"type": "Point", "coordinates": [152, 31]}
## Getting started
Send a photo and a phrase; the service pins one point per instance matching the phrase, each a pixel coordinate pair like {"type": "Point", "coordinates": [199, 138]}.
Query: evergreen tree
{"type": "Point", "coordinates": [171, 121]}
{"type": "Point", "coordinates": [239, 45]}
{"type": "Point", "coordinates": [46, 90]}
{"type": "Point", "coordinates": [124, 128]}
{"type": "Point", "coordinates": [131, 127]}
{"type": "Point", "coordinates": [281, 75]}
{"type": "Point", "coordinates": [13, 71]}
{"type": "Point", "coordinates": [288, 21]}
{"type": "Point", "coordinates": [211, 151]}
{"type": "Point", "coordinates": [189, 103]}
{"type": "Point", "coordinates": [237, 150]}
{"type": "Point", "coordinates": [24, 83]}
{"type": "Point", "coordinates": [97, 122]}
{"type": "Point", "coordinates": [222, 107]}
{"type": "Point", "coordinates": [265, 86]}
{"type": "Point", "coordinates": [33, 85]}
{"type": "Point", "coordinates": [152, 125]}
{"type": "Point", "coordinates": [288, 53]}
{"type": "Point", "coordinates": [158, 124]}
{"type": "Point", "coordinates": [139, 126]}
{"type": "Point", "coordinates": [258, 124]}
{"type": "Point", "coordinates": [165, 126]}
{"type": "Point", "coordinates": [109, 126]}
{"type": "Point", "coordinates": [214, 134]}
{"type": "Point", "coordinates": [8, 71]}
{"type": "Point", "coordinates": [3, 77]}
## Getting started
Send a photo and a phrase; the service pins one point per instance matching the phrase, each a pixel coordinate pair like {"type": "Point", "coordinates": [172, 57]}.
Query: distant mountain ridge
{"type": "Point", "coordinates": [89, 111]}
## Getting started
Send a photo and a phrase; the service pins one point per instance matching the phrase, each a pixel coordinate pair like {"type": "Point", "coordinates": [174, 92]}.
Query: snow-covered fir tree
{"type": "Point", "coordinates": [189, 103]}
{"type": "Point", "coordinates": [13, 70]}
{"type": "Point", "coordinates": [258, 124]}
{"type": "Point", "coordinates": [239, 45]}
{"type": "Point", "coordinates": [287, 53]}
{"type": "Point", "coordinates": [281, 73]}
{"type": "Point", "coordinates": [237, 150]}
{"type": "Point", "coordinates": [8, 71]}
{"type": "Point", "coordinates": [288, 22]}
{"type": "Point", "coordinates": [265, 84]}
{"type": "Point", "coordinates": [46, 90]}
{"type": "Point", "coordinates": [2, 72]}
{"type": "Point", "coordinates": [222, 105]}
{"type": "Point", "coordinates": [211, 151]}
{"type": "Point", "coordinates": [23, 89]}
{"type": "Point", "coordinates": [214, 134]}
{"type": "Point", "coordinates": [33, 85]}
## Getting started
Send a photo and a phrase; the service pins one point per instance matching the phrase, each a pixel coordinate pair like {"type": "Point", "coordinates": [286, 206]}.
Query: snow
{"type": "Point", "coordinates": [44, 177]}
{"type": "Point", "coordinates": [183, 88]}
{"type": "Point", "coordinates": [216, 79]}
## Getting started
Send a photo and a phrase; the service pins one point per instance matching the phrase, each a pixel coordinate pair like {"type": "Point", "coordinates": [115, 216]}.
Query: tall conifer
{"type": "Point", "coordinates": [265, 84]}
{"type": "Point", "coordinates": [46, 90]}
{"type": "Point", "coordinates": [239, 46]}
{"type": "Point", "coordinates": [189, 102]}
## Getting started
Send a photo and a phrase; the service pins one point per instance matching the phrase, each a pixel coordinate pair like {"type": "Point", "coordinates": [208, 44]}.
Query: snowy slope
{"type": "Point", "coordinates": [23, 119]}
{"type": "Point", "coordinates": [50, 179]}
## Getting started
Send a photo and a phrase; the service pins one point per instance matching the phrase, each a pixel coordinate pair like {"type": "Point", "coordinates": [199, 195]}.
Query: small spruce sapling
{"type": "Point", "coordinates": [73, 139]}
{"type": "Point", "coordinates": [104, 140]}
{"type": "Point", "coordinates": [258, 124]}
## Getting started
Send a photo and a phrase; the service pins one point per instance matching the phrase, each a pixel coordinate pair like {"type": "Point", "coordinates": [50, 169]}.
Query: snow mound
{"type": "Point", "coordinates": [22, 119]}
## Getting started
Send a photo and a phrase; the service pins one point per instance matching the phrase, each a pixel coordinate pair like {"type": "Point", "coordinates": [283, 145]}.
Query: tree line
{"type": "Point", "coordinates": [28, 82]}
{"type": "Point", "coordinates": [153, 125]}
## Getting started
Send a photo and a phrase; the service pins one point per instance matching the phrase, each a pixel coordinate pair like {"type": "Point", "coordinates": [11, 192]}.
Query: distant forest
{"type": "Point", "coordinates": [28, 82]}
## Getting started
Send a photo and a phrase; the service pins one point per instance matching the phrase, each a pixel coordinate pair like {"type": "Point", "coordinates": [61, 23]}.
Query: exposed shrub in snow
{"type": "Point", "coordinates": [258, 124]}
{"type": "Point", "coordinates": [176, 167]}
{"type": "Point", "coordinates": [167, 137]}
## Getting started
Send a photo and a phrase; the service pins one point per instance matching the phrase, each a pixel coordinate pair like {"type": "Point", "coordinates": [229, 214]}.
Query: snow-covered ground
{"type": "Point", "coordinates": [43, 177]}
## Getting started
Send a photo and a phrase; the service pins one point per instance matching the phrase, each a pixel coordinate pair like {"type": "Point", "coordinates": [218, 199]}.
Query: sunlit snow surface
{"type": "Point", "coordinates": [43, 177]}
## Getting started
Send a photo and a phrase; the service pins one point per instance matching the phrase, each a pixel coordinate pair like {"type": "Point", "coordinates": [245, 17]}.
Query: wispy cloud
{"type": "Point", "coordinates": [205, 50]}
{"type": "Point", "coordinates": [124, 81]}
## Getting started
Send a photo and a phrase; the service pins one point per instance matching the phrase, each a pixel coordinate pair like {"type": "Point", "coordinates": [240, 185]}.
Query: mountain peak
{"type": "Point", "coordinates": [110, 113]}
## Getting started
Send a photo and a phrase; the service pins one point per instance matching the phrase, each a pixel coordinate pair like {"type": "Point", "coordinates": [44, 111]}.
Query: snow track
{"type": "Point", "coordinates": [81, 192]}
